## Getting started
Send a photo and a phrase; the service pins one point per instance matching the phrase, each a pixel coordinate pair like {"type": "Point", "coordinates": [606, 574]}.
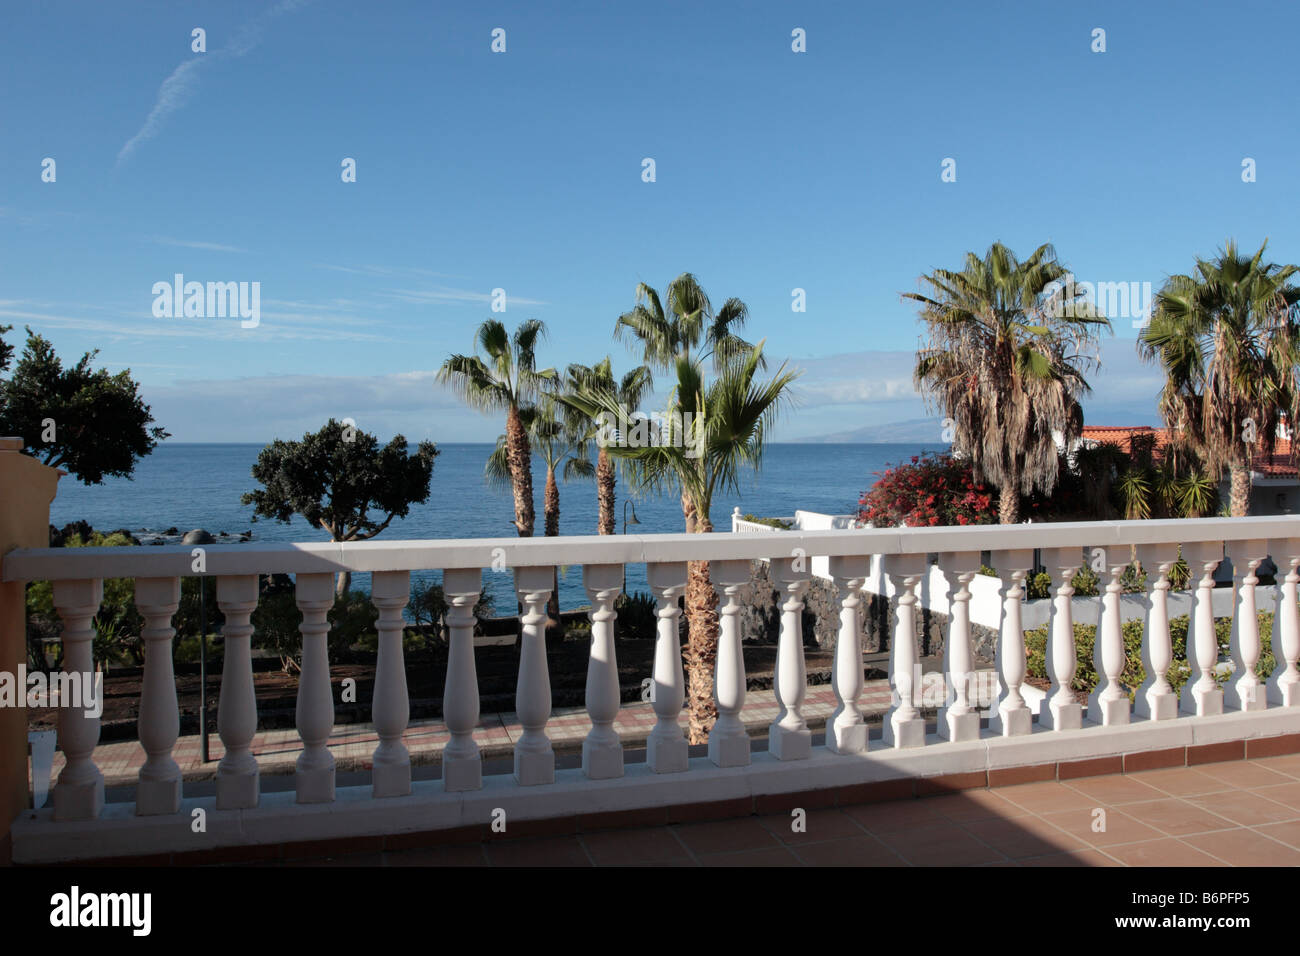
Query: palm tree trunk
{"type": "Point", "coordinates": [701, 645]}
{"type": "Point", "coordinates": [551, 512]}
{"type": "Point", "coordinates": [605, 523]}
{"type": "Point", "coordinates": [1009, 503]}
{"type": "Point", "coordinates": [520, 454]}
{"type": "Point", "coordinates": [1240, 494]}
{"type": "Point", "coordinates": [688, 512]}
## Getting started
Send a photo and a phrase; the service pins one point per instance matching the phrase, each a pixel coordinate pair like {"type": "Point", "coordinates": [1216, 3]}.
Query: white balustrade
{"type": "Point", "coordinates": [666, 750]}
{"type": "Point", "coordinates": [314, 774]}
{"type": "Point", "coordinates": [79, 792]}
{"type": "Point", "coordinates": [602, 750]}
{"type": "Point", "coordinates": [1284, 682]}
{"type": "Point", "coordinates": [1061, 711]}
{"type": "Point", "coordinates": [238, 783]}
{"type": "Point", "coordinates": [959, 717]}
{"type": "Point", "coordinates": [534, 756]}
{"type": "Point", "coordinates": [728, 741]}
{"type": "Point", "coordinates": [391, 707]}
{"type": "Point", "coordinates": [462, 765]}
{"type": "Point", "coordinates": [1155, 699]}
{"type": "Point", "coordinates": [788, 736]}
{"type": "Point", "coordinates": [1245, 691]}
{"type": "Point", "coordinates": [903, 724]}
{"type": "Point", "coordinates": [846, 733]}
{"type": "Point", "coordinates": [1202, 695]}
{"type": "Point", "coordinates": [1012, 716]}
{"type": "Point", "coordinates": [1108, 704]}
{"type": "Point", "coordinates": [158, 789]}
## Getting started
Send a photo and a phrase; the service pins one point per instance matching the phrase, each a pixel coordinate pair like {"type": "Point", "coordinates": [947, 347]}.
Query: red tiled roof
{"type": "Point", "coordinates": [1278, 465]}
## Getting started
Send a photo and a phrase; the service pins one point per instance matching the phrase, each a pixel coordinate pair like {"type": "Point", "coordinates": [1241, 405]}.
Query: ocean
{"type": "Point", "coordinates": [190, 486]}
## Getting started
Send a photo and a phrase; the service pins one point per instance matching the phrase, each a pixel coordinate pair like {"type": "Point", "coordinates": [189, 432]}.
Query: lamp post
{"type": "Point", "coordinates": [627, 521]}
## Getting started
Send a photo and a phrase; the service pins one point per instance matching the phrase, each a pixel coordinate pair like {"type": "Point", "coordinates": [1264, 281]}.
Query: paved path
{"type": "Point", "coordinates": [352, 744]}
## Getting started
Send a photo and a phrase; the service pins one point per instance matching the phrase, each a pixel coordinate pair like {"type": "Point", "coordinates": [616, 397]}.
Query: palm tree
{"type": "Point", "coordinates": [627, 392]}
{"type": "Point", "coordinates": [1228, 339]}
{"type": "Point", "coordinates": [509, 380]}
{"type": "Point", "coordinates": [689, 323]}
{"type": "Point", "coordinates": [709, 434]}
{"type": "Point", "coordinates": [1005, 360]}
{"type": "Point", "coordinates": [560, 436]}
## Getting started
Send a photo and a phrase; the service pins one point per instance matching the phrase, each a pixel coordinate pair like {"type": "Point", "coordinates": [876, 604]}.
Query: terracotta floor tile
{"type": "Point", "coordinates": [722, 836]}
{"type": "Point", "coordinates": [1176, 817]}
{"type": "Point", "coordinates": [1288, 794]}
{"type": "Point", "coordinates": [1072, 858]}
{"type": "Point", "coordinates": [470, 854]}
{"type": "Point", "coordinates": [1245, 808]}
{"type": "Point", "coordinates": [768, 856]}
{"type": "Point", "coordinates": [1289, 765]}
{"type": "Point", "coordinates": [1115, 790]}
{"type": "Point", "coordinates": [1243, 774]}
{"type": "Point", "coordinates": [551, 851]}
{"type": "Point", "coordinates": [1166, 852]}
{"type": "Point", "coordinates": [1023, 836]}
{"type": "Point", "coordinates": [1046, 797]}
{"type": "Point", "coordinates": [895, 815]}
{"type": "Point", "coordinates": [820, 825]}
{"type": "Point", "coordinates": [1181, 781]}
{"type": "Point", "coordinates": [1120, 828]}
{"type": "Point", "coordinates": [974, 805]}
{"type": "Point", "coordinates": [1244, 847]}
{"type": "Point", "coordinates": [633, 847]}
{"type": "Point", "coordinates": [1288, 833]}
{"type": "Point", "coordinates": [943, 845]}
{"type": "Point", "coordinates": [852, 851]}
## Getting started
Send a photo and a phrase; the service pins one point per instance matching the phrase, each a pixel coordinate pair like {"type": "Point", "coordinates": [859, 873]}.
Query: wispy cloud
{"type": "Point", "coordinates": [180, 85]}
{"type": "Point", "coordinates": [444, 295]}
{"type": "Point", "coordinates": [386, 272]}
{"type": "Point", "coordinates": [195, 244]}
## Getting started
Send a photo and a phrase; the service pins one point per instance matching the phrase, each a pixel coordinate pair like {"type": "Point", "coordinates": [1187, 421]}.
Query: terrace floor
{"type": "Point", "coordinates": [1235, 813]}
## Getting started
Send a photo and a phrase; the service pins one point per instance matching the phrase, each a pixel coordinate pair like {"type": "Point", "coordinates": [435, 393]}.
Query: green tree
{"type": "Point", "coordinates": [84, 420]}
{"type": "Point", "coordinates": [627, 392]}
{"type": "Point", "coordinates": [336, 477]}
{"type": "Point", "coordinates": [711, 432]}
{"type": "Point", "coordinates": [508, 380]}
{"type": "Point", "coordinates": [1228, 341]}
{"type": "Point", "coordinates": [1004, 358]}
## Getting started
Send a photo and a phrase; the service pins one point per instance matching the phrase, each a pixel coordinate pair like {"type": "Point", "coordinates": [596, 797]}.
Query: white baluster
{"type": "Point", "coordinates": [314, 776]}
{"type": "Point", "coordinates": [1156, 699]}
{"type": "Point", "coordinates": [788, 737]}
{"type": "Point", "coordinates": [237, 774]}
{"type": "Point", "coordinates": [728, 741]}
{"type": "Point", "coordinates": [1012, 716]}
{"type": "Point", "coordinates": [1284, 682]}
{"type": "Point", "coordinates": [534, 756]}
{"type": "Point", "coordinates": [666, 750]}
{"type": "Point", "coordinates": [903, 724]}
{"type": "Point", "coordinates": [1061, 711]}
{"type": "Point", "coordinates": [391, 707]}
{"type": "Point", "coordinates": [462, 765]}
{"type": "Point", "coordinates": [959, 717]}
{"type": "Point", "coordinates": [602, 750]}
{"type": "Point", "coordinates": [846, 733]}
{"type": "Point", "coordinates": [1245, 691]}
{"type": "Point", "coordinates": [79, 792]}
{"type": "Point", "coordinates": [1108, 704]}
{"type": "Point", "coordinates": [158, 789]}
{"type": "Point", "coordinates": [1202, 695]}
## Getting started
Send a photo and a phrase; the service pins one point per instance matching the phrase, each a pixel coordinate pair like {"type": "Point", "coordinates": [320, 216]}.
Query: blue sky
{"type": "Point", "coordinates": [522, 170]}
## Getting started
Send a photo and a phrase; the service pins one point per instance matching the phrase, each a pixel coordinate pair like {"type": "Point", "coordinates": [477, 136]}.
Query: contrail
{"type": "Point", "coordinates": [177, 89]}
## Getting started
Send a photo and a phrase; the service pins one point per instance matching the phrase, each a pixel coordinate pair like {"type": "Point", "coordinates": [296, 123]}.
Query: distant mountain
{"type": "Point", "coordinates": [927, 431]}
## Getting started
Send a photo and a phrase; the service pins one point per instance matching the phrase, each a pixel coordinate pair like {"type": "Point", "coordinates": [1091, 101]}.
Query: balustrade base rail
{"type": "Point", "coordinates": [822, 779]}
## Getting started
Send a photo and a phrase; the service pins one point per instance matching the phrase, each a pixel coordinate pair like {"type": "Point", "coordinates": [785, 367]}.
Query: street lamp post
{"type": "Point", "coordinates": [627, 521]}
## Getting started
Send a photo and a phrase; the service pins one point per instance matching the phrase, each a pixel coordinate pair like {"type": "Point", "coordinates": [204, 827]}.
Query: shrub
{"type": "Point", "coordinates": [779, 523]}
{"type": "Point", "coordinates": [637, 615]}
{"type": "Point", "coordinates": [277, 618]}
{"type": "Point", "coordinates": [934, 489]}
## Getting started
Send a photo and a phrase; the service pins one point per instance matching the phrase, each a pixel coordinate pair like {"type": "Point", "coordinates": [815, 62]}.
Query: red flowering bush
{"type": "Point", "coordinates": [935, 489]}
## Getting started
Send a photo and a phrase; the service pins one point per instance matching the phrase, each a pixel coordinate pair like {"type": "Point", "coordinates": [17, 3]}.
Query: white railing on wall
{"type": "Point", "coordinates": [902, 555]}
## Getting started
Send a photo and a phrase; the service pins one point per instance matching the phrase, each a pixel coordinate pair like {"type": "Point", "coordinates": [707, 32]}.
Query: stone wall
{"type": "Point", "coordinates": [760, 618]}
